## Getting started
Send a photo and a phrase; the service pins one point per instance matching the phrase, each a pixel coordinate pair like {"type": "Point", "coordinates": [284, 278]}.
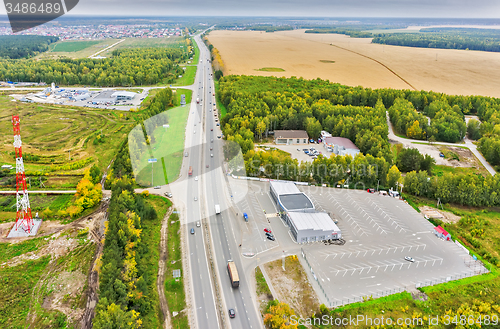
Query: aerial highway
{"type": "Point", "coordinates": [225, 244]}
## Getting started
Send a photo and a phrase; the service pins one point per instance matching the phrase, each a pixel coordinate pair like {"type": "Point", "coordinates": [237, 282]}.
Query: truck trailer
{"type": "Point", "coordinates": [233, 274]}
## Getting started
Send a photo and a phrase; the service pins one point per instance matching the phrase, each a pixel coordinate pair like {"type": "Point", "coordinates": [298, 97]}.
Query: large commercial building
{"type": "Point", "coordinates": [112, 96]}
{"type": "Point", "coordinates": [298, 212]}
{"type": "Point", "coordinates": [290, 137]}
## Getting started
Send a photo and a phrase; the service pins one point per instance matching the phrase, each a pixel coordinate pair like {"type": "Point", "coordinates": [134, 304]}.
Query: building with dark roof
{"type": "Point", "coordinates": [290, 137]}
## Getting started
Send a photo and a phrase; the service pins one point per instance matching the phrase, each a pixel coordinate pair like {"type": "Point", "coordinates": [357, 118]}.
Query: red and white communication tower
{"type": "Point", "coordinates": [24, 220]}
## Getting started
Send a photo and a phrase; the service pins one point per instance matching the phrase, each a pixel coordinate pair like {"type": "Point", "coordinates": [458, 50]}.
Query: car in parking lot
{"type": "Point", "coordinates": [298, 150]}
{"type": "Point", "coordinates": [408, 258]}
{"type": "Point", "coordinates": [270, 238]}
{"type": "Point", "coordinates": [232, 313]}
{"type": "Point", "coordinates": [267, 230]}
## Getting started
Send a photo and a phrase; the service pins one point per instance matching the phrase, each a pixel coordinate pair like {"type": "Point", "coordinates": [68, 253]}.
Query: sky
{"type": "Point", "coordinates": [310, 8]}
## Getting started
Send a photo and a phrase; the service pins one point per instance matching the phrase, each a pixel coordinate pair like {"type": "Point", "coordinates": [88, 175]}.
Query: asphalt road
{"type": "Point", "coordinates": [222, 231]}
{"type": "Point", "coordinates": [202, 290]}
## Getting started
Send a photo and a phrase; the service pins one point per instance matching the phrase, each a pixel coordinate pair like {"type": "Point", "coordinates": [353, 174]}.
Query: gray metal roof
{"type": "Point", "coordinates": [282, 188]}
{"type": "Point", "coordinates": [312, 221]}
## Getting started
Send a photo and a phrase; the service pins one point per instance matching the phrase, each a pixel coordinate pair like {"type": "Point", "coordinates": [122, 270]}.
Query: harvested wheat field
{"type": "Point", "coordinates": [357, 62]}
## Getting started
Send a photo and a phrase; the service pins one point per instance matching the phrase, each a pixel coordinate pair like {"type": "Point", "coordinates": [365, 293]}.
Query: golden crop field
{"type": "Point", "coordinates": [357, 62]}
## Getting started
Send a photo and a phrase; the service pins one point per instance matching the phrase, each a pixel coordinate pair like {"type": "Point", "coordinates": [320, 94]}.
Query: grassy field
{"type": "Point", "coordinates": [72, 46]}
{"type": "Point", "coordinates": [143, 43]}
{"type": "Point", "coordinates": [45, 286]}
{"type": "Point", "coordinates": [174, 288]}
{"type": "Point", "coordinates": [75, 49]}
{"type": "Point", "coordinates": [222, 109]}
{"type": "Point", "coordinates": [196, 57]}
{"type": "Point", "coordinates": [60, 142]}
{"type": "Point", "coordinates": [169, 158]}
{"type": "Point", "coordinates": [38, 203]}
{"type": "Point", "coordinates": [270, 69]}
{"type": "Point", "coordinates": [151, 232]}
{"type": "Point", "coordinates": [187, 78]}
{"type": "Point", "coordinates": [358, 62]}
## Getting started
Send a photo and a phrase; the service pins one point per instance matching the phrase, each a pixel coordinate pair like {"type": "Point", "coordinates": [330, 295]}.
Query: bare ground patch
{"type": "Point", "coordinates": [292, 285]}
{"type": "Point", "coordinates": [442, 215]}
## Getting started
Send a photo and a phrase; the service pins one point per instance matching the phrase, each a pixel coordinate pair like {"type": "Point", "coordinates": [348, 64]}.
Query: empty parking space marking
{"type": "Point", "coordinates": [393, 221]}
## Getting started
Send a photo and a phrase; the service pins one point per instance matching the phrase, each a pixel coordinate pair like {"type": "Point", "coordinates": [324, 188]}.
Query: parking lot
{"type": "Point", "coordinates": [379, 232]}
{"type": "Point", "coordinates": [297, 151]}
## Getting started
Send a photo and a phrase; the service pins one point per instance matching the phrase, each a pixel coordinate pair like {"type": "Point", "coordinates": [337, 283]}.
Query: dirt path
{"type": "Point", "coordinates": [93, 278]}
{"type": "Point", "coordinates": [167, 321]}
{"type": "Point", "coordinates": [378, 62]}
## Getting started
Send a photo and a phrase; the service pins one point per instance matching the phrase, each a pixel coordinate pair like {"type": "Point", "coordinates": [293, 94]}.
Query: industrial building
{"type": "Point", "coordinates": [298, 212]}
{"type": "Point", "coordinates": [290, 137]}
{"type": "Point", "coordinates": [340, 146]}
{"type": "Point", "coordinates": [112, 96]}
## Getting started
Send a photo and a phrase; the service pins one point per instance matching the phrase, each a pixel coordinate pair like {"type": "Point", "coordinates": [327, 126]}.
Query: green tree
{"type": "Point", "coordinates": [313, 127]}
{"type": "Point", "coordinates": [393, 176]}
{"type": "Point", "coordinates": [473, 129]}
{"type": "Point", "coordinates": [112, 316]}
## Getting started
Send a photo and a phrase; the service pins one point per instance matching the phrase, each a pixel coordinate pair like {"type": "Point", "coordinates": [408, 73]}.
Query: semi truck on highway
{"type": "Point", "coordinates": [217, 209]}
{"type": "Point", "coordinates": [190, 172]}
{"type": "Point", "coordinates": [233, 274]}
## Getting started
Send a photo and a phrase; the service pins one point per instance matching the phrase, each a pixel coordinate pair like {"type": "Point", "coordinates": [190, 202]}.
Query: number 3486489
{"type": "Point", "coordinates": [33, 8]}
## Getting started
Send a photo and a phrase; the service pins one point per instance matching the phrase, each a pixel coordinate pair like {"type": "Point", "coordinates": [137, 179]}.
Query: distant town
{"type": "Point", "coordinates": [98, 32]}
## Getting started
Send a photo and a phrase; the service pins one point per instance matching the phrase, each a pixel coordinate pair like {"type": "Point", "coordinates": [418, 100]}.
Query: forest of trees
{"type": "Point", "coordinates": [24, 46]}
{"type": "Point", "coordinates": [444, 38]}
{"type": "Point", "coordinates": [447, 123]}
{"type": "Point", "coordinates": [125, 281]}
{"type": "Point", "coordinates": [257, 105]}
{"type": "Point", "coordinates": [127, 67]}
{"type": "Point", "coordinates": [337, 30]}
{"type": "Point", "coordinates": [236, 91]}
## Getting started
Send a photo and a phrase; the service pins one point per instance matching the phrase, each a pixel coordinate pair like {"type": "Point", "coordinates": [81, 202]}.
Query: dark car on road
{"type": "Point", "coordinates": [232, 313]}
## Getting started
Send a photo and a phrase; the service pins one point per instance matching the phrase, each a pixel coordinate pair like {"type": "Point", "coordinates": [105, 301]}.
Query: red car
{"type": "Point", "coordinates": [267, 230]}
{"type": "Point", "coordinates": [211, 129]}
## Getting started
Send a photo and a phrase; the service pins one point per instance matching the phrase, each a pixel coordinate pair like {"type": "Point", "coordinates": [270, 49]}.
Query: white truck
{"type": "Point", "coordinates": [217, 209]}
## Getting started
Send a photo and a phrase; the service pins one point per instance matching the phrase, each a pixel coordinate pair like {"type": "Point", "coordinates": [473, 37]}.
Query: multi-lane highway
{"type": "Point", "coordinates": [203, 295]}
{"type": "Point", "coordinates": [208, 185]}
